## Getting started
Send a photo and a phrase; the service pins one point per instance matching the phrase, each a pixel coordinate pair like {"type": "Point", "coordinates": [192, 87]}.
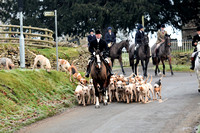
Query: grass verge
{"type": "Point", "coordinates": [178, 68]}
{"type": "Point", "coordinates": [27, 96]}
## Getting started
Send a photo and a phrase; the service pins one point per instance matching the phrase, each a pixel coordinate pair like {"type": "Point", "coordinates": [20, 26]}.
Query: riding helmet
{"type": "Point", "coordinates": [98, 32]}
{"type": "Point", "coordinates": [140, 27]}
{"type": "Point", "coordinates": [109, 28]}
{"type": "Point", "coordinates": [91, 30]}
{"type": "Point", "coordinates": [162, 26]}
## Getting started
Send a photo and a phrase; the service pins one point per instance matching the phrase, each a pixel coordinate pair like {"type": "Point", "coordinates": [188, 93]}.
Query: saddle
{"type": "Point", "coordinates": [110, 44]}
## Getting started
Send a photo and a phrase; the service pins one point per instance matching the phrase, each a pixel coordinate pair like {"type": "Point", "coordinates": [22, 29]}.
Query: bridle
{"type": "Point", "coordinates": [167, 41]}
{"type": "Point", "coordinates": [98, 62]}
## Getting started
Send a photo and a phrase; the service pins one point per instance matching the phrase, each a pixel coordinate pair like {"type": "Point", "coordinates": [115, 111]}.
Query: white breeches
{"type": "Point", "coordinates": [194, 53]}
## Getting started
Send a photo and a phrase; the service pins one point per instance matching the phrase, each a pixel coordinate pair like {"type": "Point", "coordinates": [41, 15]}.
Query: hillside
{"type": "Point", "coordinates": [27, 96]}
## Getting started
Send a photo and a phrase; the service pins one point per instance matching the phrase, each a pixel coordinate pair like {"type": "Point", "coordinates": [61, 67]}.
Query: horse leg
{"type": "Point", "coordinates": [112, 60]}
{"type": "Point", "coordinates": [146, 65]}
{"type": "Point", "coordinates": [169, 59]}
{"type": "Point", "coordinates": [132, 64]}
{"type": "Point", "coordinates": [156, 69]}
{"type": "Point", "coordinates": [105, 97]}
{"type": "Point", "coordinates": [163, 66]}
{"type": "Point", "coordinates": [105, 93]}
{"type": "Point", "coordinates": [198, 77]}
{"type": "Point", "coordinates": [143, 68]}
{"type": "Point", "coordinates": [136, 63]}
{"type": "Point", "coordinates": [121, 64]}
{"type": "Point", "coordinates": [96, 94]}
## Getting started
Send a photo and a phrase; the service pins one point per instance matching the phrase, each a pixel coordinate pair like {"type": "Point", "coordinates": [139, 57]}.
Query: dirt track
{"type": "Point", "coordinates": [178, 112]}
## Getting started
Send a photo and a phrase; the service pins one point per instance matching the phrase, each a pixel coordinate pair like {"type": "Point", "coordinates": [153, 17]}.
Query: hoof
{"type": "Point", "coordinates": [199, 90]}
{"type": "Point", "coordinates": [97, 106]}
{"type": "Point", "coordinates": [105, 103]}
{"type": "Point", "coordinates": [124, 73]}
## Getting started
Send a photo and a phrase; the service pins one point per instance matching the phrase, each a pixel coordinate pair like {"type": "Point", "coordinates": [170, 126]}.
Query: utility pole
{"type": "Point", "coordinates": [143, 20]}
{"type": "Point", "coordinates": [21, 38]}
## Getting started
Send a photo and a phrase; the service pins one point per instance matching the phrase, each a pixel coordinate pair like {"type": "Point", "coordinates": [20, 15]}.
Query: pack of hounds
{"type": "Point", "coordinates": [121, 89]}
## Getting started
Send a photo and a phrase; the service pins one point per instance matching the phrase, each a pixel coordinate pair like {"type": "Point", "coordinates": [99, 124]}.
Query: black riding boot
{"type": "Point", "coordinates": [109, 68]}
{"type": "Point", "coordinates": [88, 69]}
{"type": "Point", "coordinates": [135, 54]}
{"type": "Point", "coordinates": [192, 63]}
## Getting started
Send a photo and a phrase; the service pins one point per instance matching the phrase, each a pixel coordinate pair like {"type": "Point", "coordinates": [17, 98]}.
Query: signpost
{"type": "Point", "coordinates": [50, 14]}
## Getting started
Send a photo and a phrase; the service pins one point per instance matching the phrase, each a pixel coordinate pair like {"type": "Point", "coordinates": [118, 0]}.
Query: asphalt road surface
{"type": "Point", "coordinates": [178, 113]}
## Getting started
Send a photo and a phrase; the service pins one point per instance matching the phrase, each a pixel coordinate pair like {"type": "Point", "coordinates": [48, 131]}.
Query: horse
{"type": "Point", "coordinates": [116, 52]}
{"type": "Point", "coordinates": [101, 77]}
{"type": "Point", "coordinates": [143, 54]}
{"type": "Point", "coordinates": [164, 53]}
{"type": "Point", "coordinates": [197, 65]}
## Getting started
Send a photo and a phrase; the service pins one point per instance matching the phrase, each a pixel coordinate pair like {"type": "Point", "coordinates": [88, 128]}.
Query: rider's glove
{"type": "Point", "coordinates": [93, 53]}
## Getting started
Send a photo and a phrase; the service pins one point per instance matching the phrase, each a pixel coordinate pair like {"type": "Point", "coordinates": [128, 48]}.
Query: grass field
{"type": "Point", "coordinates": [27, 96]}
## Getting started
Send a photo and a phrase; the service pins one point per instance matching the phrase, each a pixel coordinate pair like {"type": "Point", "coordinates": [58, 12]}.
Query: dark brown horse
{"type": "Point", "coordinates": [101, 77]}
{"type": "Point", "coordinates": [116, 52]}
{"type": "Point", "coordinates": [143, 54]}
{"type": "Point", "coordinates": [163, 53]}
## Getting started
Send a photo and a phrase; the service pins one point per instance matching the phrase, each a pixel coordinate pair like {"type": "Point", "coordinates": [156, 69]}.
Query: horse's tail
{"type": "Point", "coordinates": [153, 59]}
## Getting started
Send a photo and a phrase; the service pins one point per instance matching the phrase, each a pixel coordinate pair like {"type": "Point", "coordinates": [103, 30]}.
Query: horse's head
{"type": "Point", "coordinates": [167, 40]}
{"type": "Point", "coordinates": [98, 59]}
{"type": "Point", "coordinates": [126, 44]}
{"type": "Point", "coordinates": [145, 40]}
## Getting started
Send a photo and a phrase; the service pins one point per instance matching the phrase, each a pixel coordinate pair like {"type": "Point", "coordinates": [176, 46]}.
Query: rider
{"type": "Point", "coordinates": [110, 37]}
{"type": "Point", "coordinates": [91, 37]}
{"type": "Point", "coordinates": [195, 40]}
{"type": "Point", "coordinates": [160, 37]}
{"type": "Point", "coordinates": [101, 45]}
{"type": "Point", "coordinates": [138, 39]}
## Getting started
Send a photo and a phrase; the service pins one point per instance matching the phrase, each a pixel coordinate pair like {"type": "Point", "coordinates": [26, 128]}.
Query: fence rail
{"type": "Point", "coordinates": [185, 46]}
{"type": "Point", "coordinates": [34, 36]}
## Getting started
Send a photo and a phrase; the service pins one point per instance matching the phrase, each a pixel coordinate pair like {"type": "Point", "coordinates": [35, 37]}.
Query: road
{"type": "Point", "coordinates": [178, 113]}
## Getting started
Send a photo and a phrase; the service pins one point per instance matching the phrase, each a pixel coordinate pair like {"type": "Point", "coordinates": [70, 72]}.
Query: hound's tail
{"type": "Point", "coordinates": [150, 80]}
{"type": "Point", "coordinates": [161, 77]}
{"type": "Point", "coordinates": [147, 79]}
{"type": "Point", "coordinates": [32, 53]}
{"type": "Point", "coordinates": [74, 61]}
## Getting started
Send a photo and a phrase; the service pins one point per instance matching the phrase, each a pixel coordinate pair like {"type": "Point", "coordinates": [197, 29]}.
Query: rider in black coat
{"type": "Point", "coordinates": [91, 37]}
{"type": "Point", "coordinates": [98, 44]}
{"type": "Point", "coordinates": [138, 38]}
{"type": "Point", "coordinates": [195, 40]}
{"type": "Point", "coordinates": [110, 36]}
